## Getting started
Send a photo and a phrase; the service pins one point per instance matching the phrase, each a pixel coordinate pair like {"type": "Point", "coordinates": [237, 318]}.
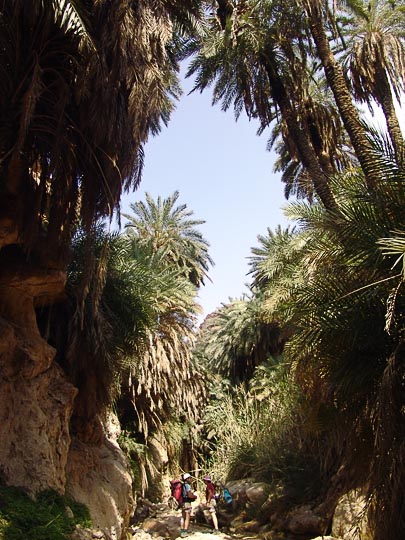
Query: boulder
{"type": "Point", "coordinates": [349, 519]}
{"type": "Point", "coordinates": [166, 528]}
{"type": "Point", "coordinates": [238, 489]}
{"type": "Point", "coordinates": [325, 538]}
{"type": "Point", "coordinates": [303, 520]}
{"type": "Point", "coordinates": [91, 534]}
{"type": "Point", "coordinates": [257, 493]}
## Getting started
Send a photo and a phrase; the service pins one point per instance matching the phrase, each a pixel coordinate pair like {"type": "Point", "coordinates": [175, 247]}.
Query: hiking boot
{"type": "Point", "coordinates": [183, 533]}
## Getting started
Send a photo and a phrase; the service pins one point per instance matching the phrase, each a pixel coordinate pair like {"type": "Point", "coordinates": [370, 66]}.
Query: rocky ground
{"type": "Point", "coordinates": [160, 522]}
{"type": "Point", "coordinates": [196, 532]}
{"type": "Point", "coordinates": [166, 525]}
{"type": "Point", "coordinates": [153, 521]}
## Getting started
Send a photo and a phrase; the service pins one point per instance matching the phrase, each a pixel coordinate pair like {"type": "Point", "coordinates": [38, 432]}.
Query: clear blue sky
{"type": "Point", "coordinates": [224, 174]}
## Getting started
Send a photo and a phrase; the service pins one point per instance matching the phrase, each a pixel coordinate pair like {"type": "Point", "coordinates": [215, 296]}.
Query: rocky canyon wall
{"type": "Point", "coordinates": [38, 451]}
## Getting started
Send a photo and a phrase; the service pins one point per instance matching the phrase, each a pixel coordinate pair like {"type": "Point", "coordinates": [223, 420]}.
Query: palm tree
{"type": "Point", "coordinates": [237, 338]}
{"type": "Point", "coordinates": [95, 335]}
{"type": "Point", "coordinates": [133, 336]}
{"type": "Point", "coordinates": [254, 53]}
{"type": "Point", "coordinates": [162, 374]}
{"type": "Point", "coordinates": [375, 56]}
{"type": "Point", "coordinates": [276, 266]}
{"type": "Point", "coordinates": [82, 87]}
{"type": "Point", "coordinates": [346, 344]}
{"type": "Point", "coordinates": [165, 229]}
{"type": "Point", "coordinates": [165, 382]}
{"type": "Point", "coordinates": [318, 14]}
{"type": "Point", "coordinates": [328, 138]}
{"type": "Point", "coordinates": [127, 344]}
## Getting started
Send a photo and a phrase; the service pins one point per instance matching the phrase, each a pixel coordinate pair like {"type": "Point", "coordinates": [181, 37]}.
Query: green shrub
{"type": "Point", "coordinates": [261, 433]}
{"type": "Point", "coordinates": [46, 518]}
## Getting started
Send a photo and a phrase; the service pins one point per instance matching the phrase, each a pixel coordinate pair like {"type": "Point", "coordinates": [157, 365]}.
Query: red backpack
{"type": "Point", "coordinates": [176, 488]}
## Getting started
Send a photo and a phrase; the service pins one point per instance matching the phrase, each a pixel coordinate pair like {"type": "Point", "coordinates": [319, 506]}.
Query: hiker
{"type": "Point", "coordinates": [188, 496]}
{"type": "Point", "coordinates": [210, 497]}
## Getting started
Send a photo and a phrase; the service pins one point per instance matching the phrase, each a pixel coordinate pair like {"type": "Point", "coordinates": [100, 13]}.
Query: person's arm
{"type": "Point", "coordinates": [189, 492]}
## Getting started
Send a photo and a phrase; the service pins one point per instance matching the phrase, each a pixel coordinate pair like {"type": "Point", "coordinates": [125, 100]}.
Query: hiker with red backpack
{"type": "Point", "coordinates": [184, 495]}
{"type": "Point", "coordinates": [188, 497]}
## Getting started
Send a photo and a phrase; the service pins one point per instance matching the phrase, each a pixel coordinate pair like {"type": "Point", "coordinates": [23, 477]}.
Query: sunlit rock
{"type": "Point", "coordinates": [98, 476]}
{"type": "Point", "coordinates": [349, 520]}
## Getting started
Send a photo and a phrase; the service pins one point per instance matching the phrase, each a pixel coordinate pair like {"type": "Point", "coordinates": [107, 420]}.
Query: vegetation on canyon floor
{"type": "Point", "coordinates": [49, 517]}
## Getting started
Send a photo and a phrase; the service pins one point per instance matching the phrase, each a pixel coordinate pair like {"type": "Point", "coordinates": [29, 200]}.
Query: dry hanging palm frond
{"type": "Point", "coordinates": [165, 374]}
{"type": "Point", "coordinates": [82, 86]}
{"type": "Point", "coordinates": [387, 474]}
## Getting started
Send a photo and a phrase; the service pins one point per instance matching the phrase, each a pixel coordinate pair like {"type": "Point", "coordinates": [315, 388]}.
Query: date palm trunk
{"type": "Point", "coordinates": [304, 147]}
{"type": "Point", "coordinates": [391, 119]}
{"type": "Point", "coordinates": [343, 98]}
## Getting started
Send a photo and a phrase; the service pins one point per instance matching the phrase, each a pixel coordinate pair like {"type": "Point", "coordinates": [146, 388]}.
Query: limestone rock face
{"type": "Point", "coordinates": [36, 401]}
{"type": "Point", "coordinates": [26, 354]}
{"type": "Point", "coordinates": [349, 520]}
{"type": "Point", "coordinates": [158, 452]}
{"type": "Point", "coordinates": [98, 476]}
{"type": "Point", "coordinates": [35, 410]}
{"type": "Point", "coordinates": [8, 231]}
{"type": "Point", "coordinates": [36, 405]}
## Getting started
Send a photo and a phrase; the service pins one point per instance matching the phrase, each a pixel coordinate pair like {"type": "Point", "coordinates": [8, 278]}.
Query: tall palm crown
{"type": "Point", "coordinates": [82, 86]}
{"type": "Point", "coordinates": [374, 32]}
{"type": "Point", "coordinates": [322, 24]}
{"type": "Point", "coordinates": [134, 333]}
{"type": "Point", "coordinates": [237, 338]}
{"type": "Point", "coordinates": [169, 230]}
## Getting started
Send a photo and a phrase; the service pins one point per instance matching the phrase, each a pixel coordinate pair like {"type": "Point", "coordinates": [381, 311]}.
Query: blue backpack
{"type": "Point", "coordinates": [226, 495]}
